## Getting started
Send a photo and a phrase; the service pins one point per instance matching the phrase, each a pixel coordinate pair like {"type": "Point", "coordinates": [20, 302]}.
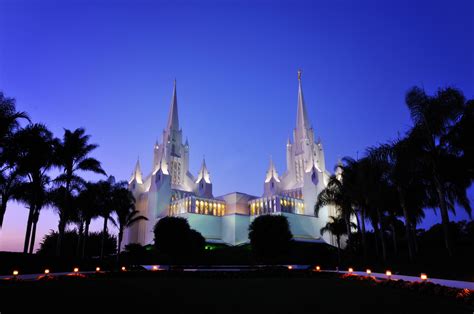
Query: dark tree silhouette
{"type": "Point", "coordinates": [175, 238]}
{"type": "Point", "coordinates": [270, 238]}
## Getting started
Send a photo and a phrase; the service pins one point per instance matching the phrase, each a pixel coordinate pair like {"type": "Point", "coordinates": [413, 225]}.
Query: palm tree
{"type": "Point", "coordinates": [336, 194]}
{"type": "Point", "coordinates": [72, 156]}
{"type": "Point", "coordinates": [434, 117]}
{"type": "Point", "coordinates": [9, 177]}
{"type": "Point", "coordinates": [124, 208]}
{"type": "Point", "coordinates": [89, 205]}
{"type": "Point", "coordinates": [35, 146]}
{"type": "Point", "coordinates": [337, 227]}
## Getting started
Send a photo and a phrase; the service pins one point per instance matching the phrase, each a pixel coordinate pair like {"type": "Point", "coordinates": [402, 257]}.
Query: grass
{"type": "Point", "coordinates": [183, 292]}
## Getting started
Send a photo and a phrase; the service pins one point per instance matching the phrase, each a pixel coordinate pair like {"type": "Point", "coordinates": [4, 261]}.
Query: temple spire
{"type": "Point", "coordinates": [271, 172]}
{"type": "Point", "coordinates": [302, 124]}
{"type": "Point", "coordinates": [137, 173]}
{"type": "Point", "coordinates": [173, 122]}
{"type": "Point", "coordinates": [203, 172]}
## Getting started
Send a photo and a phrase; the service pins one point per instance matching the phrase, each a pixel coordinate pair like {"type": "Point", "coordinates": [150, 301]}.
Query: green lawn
{"type": "Point", "coordinates": [217, 293]}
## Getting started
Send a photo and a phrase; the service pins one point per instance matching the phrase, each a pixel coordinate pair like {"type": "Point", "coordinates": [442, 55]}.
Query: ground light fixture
{"type": "Point", "coordinates": [123, 268]}
{"type": "Point", "coordinates": [46, 271]}
{"type": "Point", "coordinates": [423, 277]}
{"type": "Point", "coordinates": [97, 269]}
{"type": "Point", "coordinates": [15, 273]}
{"type": "Point", "coordinates": [368, 271]}
{"type": "Point", "coordinates": [350, 270]}
{"type": "Point", "coordinates": [388, 273]}
{"type": "Point", "coordinates": [290, 267]}
{"type": "Point", "coordinates": [154, 268]}
{"type": "Point", "coordinates": [318, 268]}
{"type": "Point", "coordinates": [76, 270]}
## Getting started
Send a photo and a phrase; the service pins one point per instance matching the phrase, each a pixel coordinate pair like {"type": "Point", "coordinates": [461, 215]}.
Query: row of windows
{"type": "Point", "coordinates": [269, 205]}
{"type": "Point", "coordinates": [197, 206]}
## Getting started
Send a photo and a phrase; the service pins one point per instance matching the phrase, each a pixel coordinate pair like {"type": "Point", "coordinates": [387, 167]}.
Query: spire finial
{"type": "Point", "coordinates": [173, 122]}
{"type": "Point", "coordinates": [299, 74]}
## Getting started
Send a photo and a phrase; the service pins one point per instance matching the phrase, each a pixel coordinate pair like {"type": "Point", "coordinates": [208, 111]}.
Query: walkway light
{"type": "Point", "coordinates": [368, 271]}
{"type": "Point", "coordinates": [76, 270]}
{"type": "Point", "coordinates": [123, 268]}
{"type": "Point", "coordinates": [318, 268]}
{"type": "Point", "coordinates": [97, 269]}
{"type": "Point", "coordinates": [15, 273]}
{"type": "Point", "coordinates": [424, 277]}
{"type": "Point", "coordinates": [388, 273]}
{"type": "Point", "coordinates": [46, 271]}
{"type": "Point", "coordinates": [351, 270]}
{"type": "Point", "coordinates": [290, 267]}
{"type": "Point", "coordinates": [154, 268]}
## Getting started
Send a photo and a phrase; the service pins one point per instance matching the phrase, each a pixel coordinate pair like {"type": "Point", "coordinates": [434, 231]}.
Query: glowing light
{"type": "Point", "coordinates": [388, 273]}
{"type": "Point", "coordinates": [15, 273]}
{"type": "Point", "coordinates": [46, 271]}
{"type": "Point", "coordinates": [155, 268]}
{"type": "Point", "coordinates": [123, 268]}
{"type": "Point", "coordinates": [350, 270]}
{"type": "Point", "coordinates": [424, 277]}
{"type": "Point", "coordinates": [368, 271]}
{"type": "Point", "coordinates": [290, 267]}
{"type": "Point", "coordinates": [76, 270]}
{"type": "Point", "coordinates": [318, 268]}
{"type": "Point", "coordinates": [97, 269]}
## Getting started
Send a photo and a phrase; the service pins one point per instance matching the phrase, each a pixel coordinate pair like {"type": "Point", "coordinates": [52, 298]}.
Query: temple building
{"type": "Point", "coordinates": [170, 189]}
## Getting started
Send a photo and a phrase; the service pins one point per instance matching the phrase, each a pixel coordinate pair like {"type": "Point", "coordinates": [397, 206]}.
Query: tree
{"type": "Point", "coordinates": [270, 237]}
{"type": "Point", "coordinates": [175, 238]}
{"type": "Point", "coordinates": [337, 227]}
{"type": "Point", "coordinates": [434, 117]}
{"type": "Point", "coordinates": [9, 177]}
{"type": "Point", "coordinates": [124, 208]}
{"type": "Point", "coordinates": [88, 205]}
{"type": "Point", "coordinates": [72, 156]}
{"type": "Point", "coordinates": [35, 146]}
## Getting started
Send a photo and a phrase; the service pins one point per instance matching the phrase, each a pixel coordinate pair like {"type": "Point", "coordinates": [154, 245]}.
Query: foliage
{"type": "Point", "coordinates": [175, 238]}
{"type": "Point", "coordinates": [270, 237]}
{"type": "Point", "coordinates": [70, 240]}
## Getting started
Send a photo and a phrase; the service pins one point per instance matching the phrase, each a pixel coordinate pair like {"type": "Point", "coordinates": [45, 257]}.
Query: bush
{"type": "Point", "coordinates": [69, 243]}
{"type": "Point", "coordinates": [270, 238]}
{"type": "Point", "coordinates": [175, 239]}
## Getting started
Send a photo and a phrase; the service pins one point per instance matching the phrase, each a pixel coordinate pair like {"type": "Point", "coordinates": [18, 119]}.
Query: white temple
{"type": "Point", "coordinates": [171, 189]}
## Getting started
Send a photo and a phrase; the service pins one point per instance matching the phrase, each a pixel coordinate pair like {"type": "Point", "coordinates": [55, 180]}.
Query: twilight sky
{"type": "Point", "coordinates": [109, 66]}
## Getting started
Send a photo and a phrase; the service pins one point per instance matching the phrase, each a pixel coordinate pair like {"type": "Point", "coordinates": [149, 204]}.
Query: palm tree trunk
{"type": "Point", "coordinates": [120, 238]}
{"type": "Point", "coordinates": [347, 219]}
{"type": "Point", "coordinates": [394, 239]}
{"type": "Point", "coordinates": [3, 209]}
{"type": "Point", "coordinates": [364, 243]}
{"type": "Point", "coordinates": [376, 238]}
{"type": "Point", "coordinates": [61, 227]}
{"type": "Point", "coordinates": [104, 234]}
{"type": "Point", "coordinates": [80, 238]}
{"type": "Point", "coordinates": [28, 230]}
{"type": "Point", "coordinates": [338, 238]}
{"type": "Point", "coordinates": [407, 224]}
{"type": "Point", "coordinates": [415, 240]}
{"type": "Point", "coordinates": [33, 232]}
{"type": "Point", "coordinates": [86, 235]}
{"type": "Point", "coordinates": [382, 238]}
{"type": "Point", "coordinates": [444, 215]}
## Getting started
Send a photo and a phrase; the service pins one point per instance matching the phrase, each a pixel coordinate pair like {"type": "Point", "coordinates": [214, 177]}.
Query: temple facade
{"type": "Point", "coordinates": [170, 189]}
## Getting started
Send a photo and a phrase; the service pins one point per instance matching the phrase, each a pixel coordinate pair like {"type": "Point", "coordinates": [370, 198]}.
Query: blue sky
{"type": "Point", "coordinates": [109, 66]}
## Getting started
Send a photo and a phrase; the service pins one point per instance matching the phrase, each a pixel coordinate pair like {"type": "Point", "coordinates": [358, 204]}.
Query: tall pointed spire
{"type": "Point", "coordinates": [173, 122]}
{"type": "Point", "coordinates": [137, 173]}
{"type": "Point", "coordinates": [302, 124]}
{"type": "Point", "coordinates": [203, 172]}
{"type": "Point", "coordinates": [271, 172]}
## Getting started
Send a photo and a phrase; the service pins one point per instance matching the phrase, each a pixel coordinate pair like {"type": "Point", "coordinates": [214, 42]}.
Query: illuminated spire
{"type": "Point", "coordinates": [271, 172]}
{"type": "Point", "coordinates": [203, 173]}
{"type": "Point", "coordinates": [302, 124]}
{"type": "Point", "coordinates": [173, 122]}
{"type": "Point", "coordinates": [137, 173]}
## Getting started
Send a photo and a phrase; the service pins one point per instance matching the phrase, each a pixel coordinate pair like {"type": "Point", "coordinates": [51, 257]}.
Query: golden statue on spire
{"type": "Point", "coordinates": [299, 74]}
